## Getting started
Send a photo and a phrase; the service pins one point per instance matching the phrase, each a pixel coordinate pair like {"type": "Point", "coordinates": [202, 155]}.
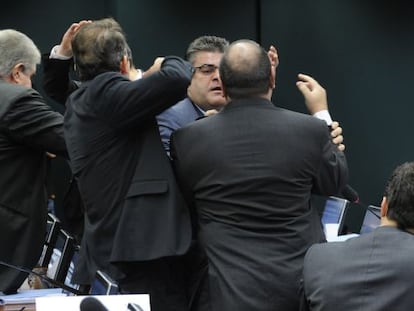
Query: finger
{"type": "Point", "coordinates": [341, 147]}
{"type": "Point", "coordinates": [334, 124]}
{"type": "Point", "coordinates": [336, 132]}
{"type": "Point", "coordinates": [338, 140]}
{"type": "Point", "coordinates": [50, 155]}
{"type": "Point", "coordinates": [303, 87]}
{"type": "Point", "coordinates": [306, 78]}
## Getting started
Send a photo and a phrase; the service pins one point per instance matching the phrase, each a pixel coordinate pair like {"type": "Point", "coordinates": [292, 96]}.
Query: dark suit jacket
{"type": "Point", "coordinates": [58, 85]}
{"type": "Point", "coordinates": [250, 171]}
{"type": "Point", "coordinates": [57, 82]}
{"type": "Point", "coordinates": [372, 272]}
{"type": "Point", "coordinates": [134, 211]}
{"type": "Point", "coordinates": [28, 128]}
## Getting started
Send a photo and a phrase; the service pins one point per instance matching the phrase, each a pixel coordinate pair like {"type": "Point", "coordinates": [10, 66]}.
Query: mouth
{"type": "Point", "coordinates": [216, 89]}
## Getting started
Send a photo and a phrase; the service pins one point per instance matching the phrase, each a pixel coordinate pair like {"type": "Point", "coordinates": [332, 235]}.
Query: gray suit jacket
{"type": "Point", "coordinates": [249, 172]}
{"type": "Point", "coordinates": [371, 272]}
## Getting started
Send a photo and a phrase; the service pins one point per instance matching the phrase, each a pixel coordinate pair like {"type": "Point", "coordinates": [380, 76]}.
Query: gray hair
{"type": "Point", "coordinates": [17, 48]}
{"type": "Point", "coordinates": [206, 44]}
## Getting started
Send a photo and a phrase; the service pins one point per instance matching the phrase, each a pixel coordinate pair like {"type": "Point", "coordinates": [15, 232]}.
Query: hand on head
{"type": "Point", "coordinates": [65, 46]}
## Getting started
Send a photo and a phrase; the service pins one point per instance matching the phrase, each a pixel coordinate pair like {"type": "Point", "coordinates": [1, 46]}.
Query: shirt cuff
{"type": "Point", "coordinates": [324, 115]}
{"type": "Point", "coordinates": [55, 55]}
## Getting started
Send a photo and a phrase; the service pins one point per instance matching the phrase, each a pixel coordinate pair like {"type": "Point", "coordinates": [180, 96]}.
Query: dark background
{"type": "Point", "coordinates": [360, 51]}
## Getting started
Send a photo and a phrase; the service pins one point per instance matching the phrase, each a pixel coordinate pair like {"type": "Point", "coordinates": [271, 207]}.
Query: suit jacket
{"type": "Point", "coordinates": [175, 117]}
{"type": "Point", "coordinates": [250, 171]}
{"type": "Point", "coordinates": [371, 272]}
{"type": "Point", "coordinates": [28, 128]}
{"type": "Point", "coordinates": [56, 78]}
{"type": "Point", "coordinates": [134, 211]}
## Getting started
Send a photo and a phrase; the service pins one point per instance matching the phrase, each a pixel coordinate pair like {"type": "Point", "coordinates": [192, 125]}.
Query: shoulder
{"type": "Point", "coordinates": [318, 253]}
{"type": "Point", "coordinates": [15, 95]}
{"type": "Point", "coordinates": [182, 106]}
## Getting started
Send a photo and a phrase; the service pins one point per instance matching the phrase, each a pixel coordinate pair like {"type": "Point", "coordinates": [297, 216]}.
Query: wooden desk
{"type": "Point", "coordinates": [18, 307]}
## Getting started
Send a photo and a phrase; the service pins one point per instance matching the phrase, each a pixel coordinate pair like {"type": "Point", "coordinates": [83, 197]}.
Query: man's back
{"type": "Point", "coordinates": [117, 156]}
{"type": "Point", "coordinates": [370, 272]}
{"type": "Point", "coordinates": [28, 129]}
{"type": "Point", "coordinates": [251, 173]}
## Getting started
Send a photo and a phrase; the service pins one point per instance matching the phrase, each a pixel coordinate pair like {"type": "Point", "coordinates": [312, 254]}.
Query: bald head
{"type": "Point", "coordinates": [245, 70]}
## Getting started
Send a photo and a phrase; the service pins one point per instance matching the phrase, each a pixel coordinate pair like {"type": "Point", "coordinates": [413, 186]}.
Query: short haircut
{"type": "Point", "coordinates": [245, 70]}
{"type": "Point", "coordinates": [99, 47]}
{"type": "Point", "coordinates": [206, 44]}
{"type": "Point", "coordinates": [400, 195]}
{"type": "Point", "coordinates": [17, 48]}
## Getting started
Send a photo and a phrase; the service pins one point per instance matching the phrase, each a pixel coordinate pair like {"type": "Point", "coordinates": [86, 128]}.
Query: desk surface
{"type": "Point", "coordinates": [18, 307]}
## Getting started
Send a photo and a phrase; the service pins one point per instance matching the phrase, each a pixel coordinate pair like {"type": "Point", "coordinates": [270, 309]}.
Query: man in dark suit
{"type": "Point", "coordinates": [249, 172]}
{"type": "Point", "coordinates": [28, 130]}
{"type": "Point", "coordinates": [136, 224]}
{"type": "Point", "coordinates": [374, 271]}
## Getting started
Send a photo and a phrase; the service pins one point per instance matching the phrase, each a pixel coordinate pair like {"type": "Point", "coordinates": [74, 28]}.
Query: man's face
{"type": "Point", "coordinates": [205, 87]}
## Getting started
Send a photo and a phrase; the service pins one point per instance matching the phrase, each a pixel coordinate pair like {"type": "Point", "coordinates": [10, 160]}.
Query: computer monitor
{"type": "Point", "coordinates": [372, 219]}
{"type": "Point", "coordinates": [103, 284]}
{"type": "Point", "coordinates": [52, 232]}
{"type": "Point", "coordinates": [334, 212]}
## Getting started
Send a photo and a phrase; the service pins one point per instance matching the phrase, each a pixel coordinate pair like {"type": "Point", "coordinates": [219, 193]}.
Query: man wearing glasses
{"type": "Point", "coordinates": [204, 92]}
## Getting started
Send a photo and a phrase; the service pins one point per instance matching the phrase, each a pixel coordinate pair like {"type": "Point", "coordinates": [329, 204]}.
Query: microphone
{"type": "Point", "coordinates": [92, 304]}
{"type": "Point", "coordinates": [350, 194]}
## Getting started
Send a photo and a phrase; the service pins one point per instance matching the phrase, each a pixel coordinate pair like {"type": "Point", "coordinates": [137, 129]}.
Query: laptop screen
{"type": "Point", "coordinates": [371, 220]}
{"type": "Point", "coordinates": [334, 211]}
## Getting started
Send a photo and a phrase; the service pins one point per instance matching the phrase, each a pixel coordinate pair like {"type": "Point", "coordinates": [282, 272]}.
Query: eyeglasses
{"type": "Point", "coordinates": [206, 69]}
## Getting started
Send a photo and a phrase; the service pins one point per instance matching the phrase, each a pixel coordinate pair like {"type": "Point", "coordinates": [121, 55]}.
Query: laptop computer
{"type": "Point", "coordinates": [334, 212]}
{"type": "Point", "coordinates": [333, 217]}
{"type": "Point", "coordinates": [372, 219]}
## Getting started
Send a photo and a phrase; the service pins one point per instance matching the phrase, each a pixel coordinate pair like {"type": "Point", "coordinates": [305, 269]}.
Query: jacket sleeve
{"type": "Point", "coordinates": [30, 121]}
{"type": "Point", "coordinates": [141, 100]}
{"type": "Point", "coordinates": [56, 78]}
{"type": "Point", "coordinates": [333, 171]}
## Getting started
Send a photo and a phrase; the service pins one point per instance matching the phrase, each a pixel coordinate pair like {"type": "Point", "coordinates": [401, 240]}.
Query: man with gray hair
{"type": "Point", "coordinates": [28, 130]}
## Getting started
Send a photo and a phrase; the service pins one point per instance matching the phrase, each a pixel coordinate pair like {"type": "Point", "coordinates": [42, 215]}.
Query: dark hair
{"type": "Point", "coordinates": [99, 47]}
{"type": "Point", "coordinates": [206, 44]}
{"type": "Point", "coordinates": [245, 70]}
{"type": "Point", "coordinates": [400, 195]}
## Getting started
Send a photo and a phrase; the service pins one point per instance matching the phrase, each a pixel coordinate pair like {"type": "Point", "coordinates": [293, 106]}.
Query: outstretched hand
{"type": "Point", "coordinates": [313, 92]}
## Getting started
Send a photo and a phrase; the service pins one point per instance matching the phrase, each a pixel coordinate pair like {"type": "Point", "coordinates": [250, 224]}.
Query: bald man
{"type": "Point", "coordinates": [248, 173]}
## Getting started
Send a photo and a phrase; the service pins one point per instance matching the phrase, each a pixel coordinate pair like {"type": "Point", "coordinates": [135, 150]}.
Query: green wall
{"type": "Point", "coordinates": [361, 51]}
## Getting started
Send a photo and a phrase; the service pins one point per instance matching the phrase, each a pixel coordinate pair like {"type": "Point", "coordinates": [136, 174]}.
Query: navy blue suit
{"type": "Point", "coordinates": [175, 117]}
